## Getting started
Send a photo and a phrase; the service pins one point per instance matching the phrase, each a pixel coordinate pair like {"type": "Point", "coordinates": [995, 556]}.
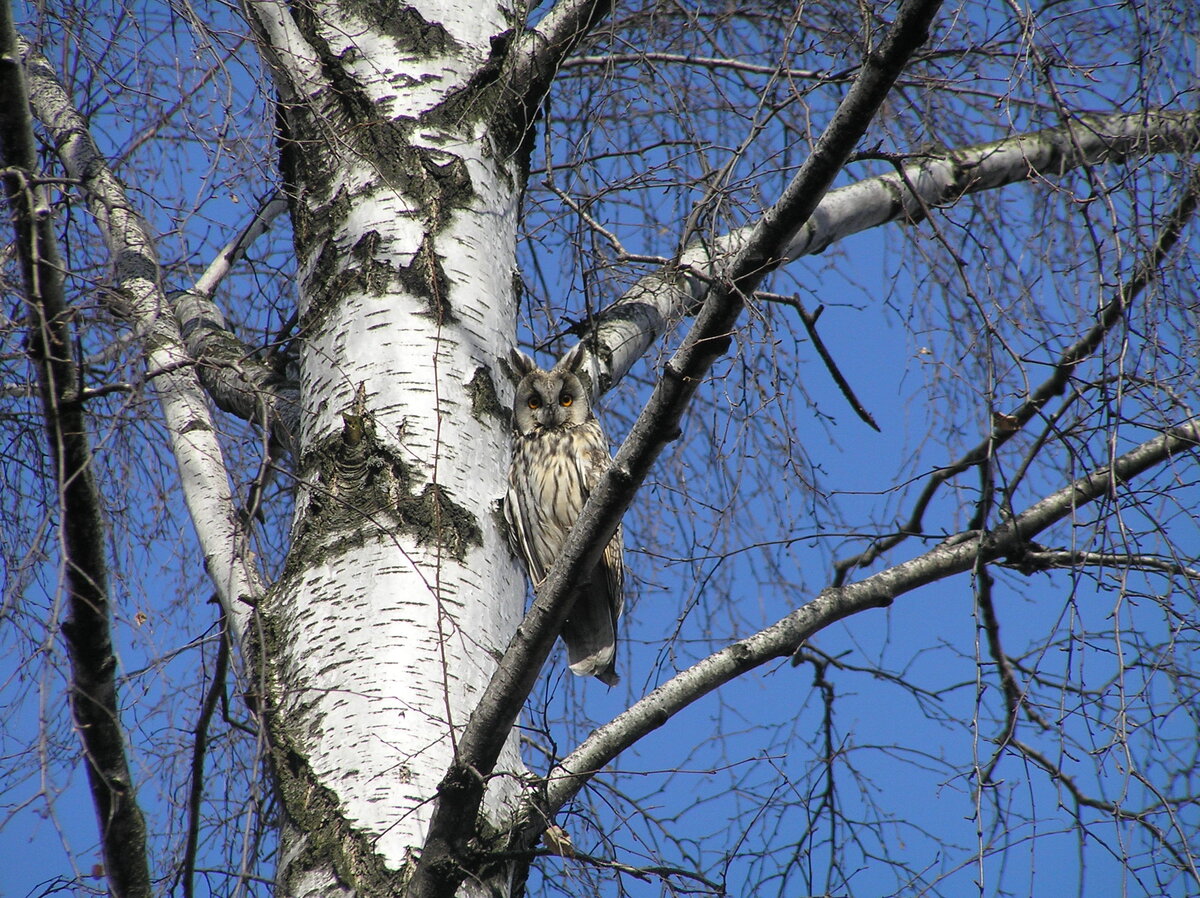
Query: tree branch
{"type": "Point", "coordinates": [1110, 315]}
{"type": "Point", "coordinates": [623, 332]}
{"type": "Point", "coordinates": [539, 52]}
{"type": "Point", "coordinates": [809, 320]}
{"type": "Point", "coordinates": [1042, 559]}
{"type": "Point", "coordinates": [238, 382]}
{"type": "Point", "coordinates": [439, 870]}
{"type": "Point", "coordinates": [953, 556]}
{"type": "Point", "coordinates": [139, 297]}
{"type": "Point", "coordinates": [295, 65]}
{"type": "Point", "coordinates": [1082, 799]}
{"type": "Point", "coordinates": [620, 60]}
{"type": "Point", "coordinates": [93, 688]}
{"type": "Point", "coordinates": [216, 689]}
{"type": "Point", "coordinates": [1012, 690]}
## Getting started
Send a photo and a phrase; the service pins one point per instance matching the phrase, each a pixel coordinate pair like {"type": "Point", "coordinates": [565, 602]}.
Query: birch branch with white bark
{"type": "Point", "coordinates": [623, 332]}
{"type": "Point", "coordinates": [540, 50]}
{"type": "Point", "coordinates": [236, 381]}
{"type": "Point", "coordinates": [461, 791]}
{"type": "Point", "coordinates": [955, 555]}
{"type": "Point", "coordinates": [202, 472]}
{"type": "Point", "coordinates": [296, 66]}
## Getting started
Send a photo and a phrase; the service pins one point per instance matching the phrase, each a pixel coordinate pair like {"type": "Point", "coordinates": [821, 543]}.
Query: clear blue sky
{"type": "Point", "coordinates": [905, 754]}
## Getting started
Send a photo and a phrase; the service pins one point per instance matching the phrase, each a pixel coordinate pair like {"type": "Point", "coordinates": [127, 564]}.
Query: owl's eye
{"type": "Point", "coordinates": [535, 402]}
{"type": "Point", "coordinates": [566, 398]}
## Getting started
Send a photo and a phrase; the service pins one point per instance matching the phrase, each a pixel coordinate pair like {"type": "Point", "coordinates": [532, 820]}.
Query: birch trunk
{"type": "Point", "coordinates": [400, 593]}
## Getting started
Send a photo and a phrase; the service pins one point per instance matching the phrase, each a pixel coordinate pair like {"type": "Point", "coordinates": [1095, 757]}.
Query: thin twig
{"type": "Point", "coordinates": [439, 871]}
{"type": "Point", "coordinates": [1013, 423]}
{"type": "Point", "coordinates": [53, 352]}
{"type": "Point", "coordinates": [199, 750]}
{"type": "Point", "coordinates": [809, 320]}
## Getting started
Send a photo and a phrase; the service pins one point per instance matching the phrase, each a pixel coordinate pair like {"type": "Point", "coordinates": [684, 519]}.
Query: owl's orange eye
{"type": "Point", "coordinates": [566, 398]}
{"type": "Point", "coordinates": [534, 402]}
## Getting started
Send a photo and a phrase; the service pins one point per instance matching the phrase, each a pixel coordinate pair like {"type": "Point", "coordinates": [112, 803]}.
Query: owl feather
{"type": "Point", "coordinates": [559, 454]}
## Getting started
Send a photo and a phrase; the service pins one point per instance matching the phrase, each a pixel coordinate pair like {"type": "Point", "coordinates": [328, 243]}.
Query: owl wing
{"type": "Point", "coordinates": [520, 517]}
{"type": "Point", "coordinates": [590, 630]}
{"type": "Point", "coordinates": [593, 463]}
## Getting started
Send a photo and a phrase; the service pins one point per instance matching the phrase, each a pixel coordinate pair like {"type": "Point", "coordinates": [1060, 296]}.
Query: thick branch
{"type": "Point", "coordinates": [624, 331]}
{"type": "Point", "coordinates": [238, 382]}
{"type": "Point", "coordinates": [295, 65]}
{"type": "Point", "coordinates": [86, 629]}
{"type": "Point", "coordinates": [197, 452]}
{"type": "Point", "coordinates": [954, 556]}
{"type": "Point", "coordinates": [540, 50]}
{"type": "Point", "coordinates": [456, 807]}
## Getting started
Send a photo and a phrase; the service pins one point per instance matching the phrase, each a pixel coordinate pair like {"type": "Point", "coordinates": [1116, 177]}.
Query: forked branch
{"type": "Point", "coordinates": [238, 382]}
{"type": "Point", "coordinates": [441, 867]}
{"type": "Point", "coordinates": [953, 556]}
{"type": "Point", "coordinates": [539, 51]}
{"type": "Point", "coordinates": [192, 431]}
{"type": "Point", "coordinates": [622, 333]}
{"type": "Point", "coordinates": [1113, 312]}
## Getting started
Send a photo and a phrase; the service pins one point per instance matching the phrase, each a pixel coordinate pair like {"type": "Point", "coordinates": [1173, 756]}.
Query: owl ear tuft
{"type": "Point", "coordinates": [573, 362]}
{"type": "Point", "coordinates": [520, 363]}
{"type": "Point", "coordinates": [572, 359]}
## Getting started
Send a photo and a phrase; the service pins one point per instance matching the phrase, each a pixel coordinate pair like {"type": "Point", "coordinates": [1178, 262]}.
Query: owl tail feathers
{"type": "Point", "coordinates": [592, 666]}
{"type": "Point", "coordinates": [591, 637]}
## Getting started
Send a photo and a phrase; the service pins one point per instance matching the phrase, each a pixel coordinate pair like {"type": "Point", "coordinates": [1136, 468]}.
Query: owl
{"type": "Point", "coordinates": [559, 455]}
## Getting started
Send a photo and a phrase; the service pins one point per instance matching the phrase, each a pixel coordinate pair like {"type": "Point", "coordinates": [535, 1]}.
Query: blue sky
{"type": "Point", "coordinates": [700, 578]}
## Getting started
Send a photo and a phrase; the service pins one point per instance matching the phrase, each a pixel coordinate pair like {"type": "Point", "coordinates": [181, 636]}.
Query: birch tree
{"type": "Point", "coordinates": [887, 306]}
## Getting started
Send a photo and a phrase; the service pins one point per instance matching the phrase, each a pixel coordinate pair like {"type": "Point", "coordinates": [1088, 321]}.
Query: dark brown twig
{"type": "Point", "coordinates": [52, 350]}
{"type": "Point", "coordinates": [809, 320]}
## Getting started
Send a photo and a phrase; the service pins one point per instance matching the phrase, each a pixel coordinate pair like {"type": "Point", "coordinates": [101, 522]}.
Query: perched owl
{"type": "Point", "coordinates": [559, 455]}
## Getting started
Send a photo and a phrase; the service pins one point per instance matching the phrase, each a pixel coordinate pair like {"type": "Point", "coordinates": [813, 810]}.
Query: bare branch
{"type": "Point", "coordinates": [708, 62]}
{"type": "Point", "coordinates": [235, 249]}
{"type": "Point", "coordinates": [192, 432]}
{"type": "Point", "coordinates": [624, 331]}
{"type": "Point", "coordinates": [540, 51]}
{"type": "Point", "coordinates": [461, 790]}
{"type": "Point", "coordinates": [216, 690]}
{"type": "Point", "coordinates": [1113, 313]}
{"type": "Point", "coordinates": [1082, 799]}
{"type": "Point", "coordinates": [1014, 693]}
{"type": "Point", "coordinates": [87, 630]}
{"type": "Point", "coordinates": [1051, 559]}
{"type": "Point", "coordinates": [953, 556]}
{"type": "Point", "coordinates": [237, 382]}
{"type": "Point", "coordinates": [294, 63]}
{"type": "Point", "coordinates": [809, 320]}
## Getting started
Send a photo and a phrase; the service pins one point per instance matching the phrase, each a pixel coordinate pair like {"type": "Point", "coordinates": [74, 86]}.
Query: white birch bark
{"type": "Point", "coordinates": [387, 625]}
